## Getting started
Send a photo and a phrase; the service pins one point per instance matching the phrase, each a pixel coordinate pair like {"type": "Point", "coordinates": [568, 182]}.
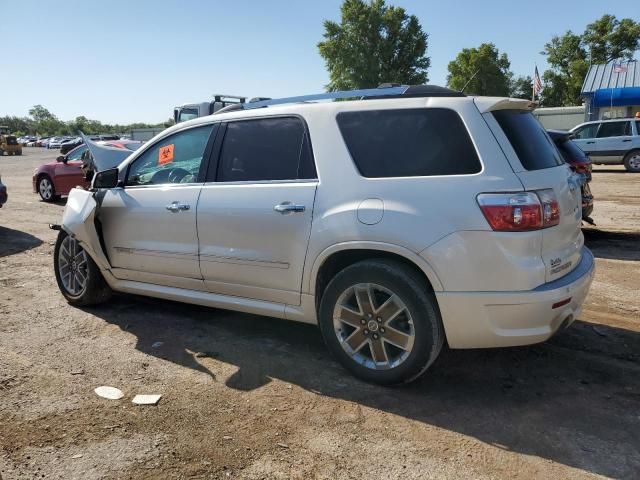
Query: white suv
{"type": "Point", "coordinates": [611, 142]}
{"type": "Point", "coordinates": [397, 221]}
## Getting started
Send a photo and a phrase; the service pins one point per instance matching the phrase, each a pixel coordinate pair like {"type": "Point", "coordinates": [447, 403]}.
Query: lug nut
{"type": "Point", "coordinates": [379, 320]}
{"type": "Point", "coordinates": [375, 336]}
{"type": "Point", "coordinates": [363, 321]}
{"type": "Point", "coordinates": [369, 315]}
{"type": "Point", "coordinates": [381, 329]}
{"type": "Point", "coordinates": [366, 332]}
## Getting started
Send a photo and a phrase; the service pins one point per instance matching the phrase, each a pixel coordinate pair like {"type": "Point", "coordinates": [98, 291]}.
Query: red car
{"type": "Point", "coordinates": [55, 179]}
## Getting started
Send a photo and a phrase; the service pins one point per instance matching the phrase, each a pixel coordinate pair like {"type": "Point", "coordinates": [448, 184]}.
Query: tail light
{"type": "Point", "coordinates": [520, 212]}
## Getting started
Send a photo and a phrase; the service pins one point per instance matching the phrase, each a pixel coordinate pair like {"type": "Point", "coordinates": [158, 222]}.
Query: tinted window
{"type": "Point", "coordinates": [529, 139]}
{"type": "Point", "coordinates": [175, 159]}
{"type": "Point", "coordinates": [265, 149]}
{"type": "Point", "coordinates": [614, 129]}
{"type": "Point", "coordinates": [408, 143]}
{"type": "Point", "coordinates": [638, 127]}
{"type": "Point", "coordinates": [588, 131]}
{"type": "Point", "coordinates": [571, 152]}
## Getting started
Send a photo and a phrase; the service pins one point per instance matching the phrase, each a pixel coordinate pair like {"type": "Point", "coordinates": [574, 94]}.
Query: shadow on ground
{"type": "Point", "coordinates": [573, 400]}
{"type": "Point", "coordinates": [613, 245]}
{"type": "Point", "coordinates": [15, 241]}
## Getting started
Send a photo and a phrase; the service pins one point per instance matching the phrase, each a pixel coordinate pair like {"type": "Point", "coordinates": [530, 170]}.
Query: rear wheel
{"type": "Point", "coordinates": [46, 189]}
{"type": "Point", "coordinates": [380, 321]}
{"type": "Point", "coordinates": [632, 161]}
{"type": "Point", "coordinates": [79, 278]}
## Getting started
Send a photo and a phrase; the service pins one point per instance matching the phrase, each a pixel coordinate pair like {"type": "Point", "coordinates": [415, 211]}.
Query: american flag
{"type": "Point", "coordinates": [537, 83]}
{"type": "Point", "coordinates": [619, 68]}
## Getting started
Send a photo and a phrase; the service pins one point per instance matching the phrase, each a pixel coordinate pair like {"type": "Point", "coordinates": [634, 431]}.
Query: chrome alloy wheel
{"type": "Point", "coordinates": [73, 266]}
{"type": "Point", "coordinates": [45, 188]}
{"type": "Point", "coordinates": [634, 162]}
{"type": "Point", "coordinates": [373, 326]}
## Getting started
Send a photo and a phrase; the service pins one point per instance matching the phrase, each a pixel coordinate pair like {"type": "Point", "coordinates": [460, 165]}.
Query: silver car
{"type": "Point", "coordinates": [395, 222]}
{"type": "Point", "coordinates": [611, 142]}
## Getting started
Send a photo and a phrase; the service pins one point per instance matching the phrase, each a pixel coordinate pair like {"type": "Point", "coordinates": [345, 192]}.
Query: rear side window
{"type": "Point", "coordinates": [408, 143]}
{"type": "Point", "coordinates": [529, 139]}
{"type": "Point", "coordinates": [614, 129]}
{"type": "Point", "coordinates": [266, 149]}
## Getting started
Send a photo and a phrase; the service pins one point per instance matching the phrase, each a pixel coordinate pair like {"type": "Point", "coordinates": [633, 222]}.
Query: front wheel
{"type": "Point", "coordinates": [381, 322]}
{"type": "Point", "coordinates": [79, 278]}
{"type": "Point", "coordinates": [632, 161]}
{"type": "Point", "coordinates": [46, 189]}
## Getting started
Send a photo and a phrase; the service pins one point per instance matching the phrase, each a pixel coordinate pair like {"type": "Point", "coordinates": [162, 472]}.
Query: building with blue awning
{"type": "Point", "coordinates": [612, 90]}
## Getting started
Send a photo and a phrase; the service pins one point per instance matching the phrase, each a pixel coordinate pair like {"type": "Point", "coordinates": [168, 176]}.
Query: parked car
{"type": "Point", "coordinates": [68, 145]}
{"type": "Point", "coordinates": [611, 142]}
{"type": "Point", "coordinates": [3, 193]}
{"type": "Point", "coordinates": [55, 179]}
{"type": "Point", "coordinates": [394, 223]}
{"type": "Point", "coordinates": [579, 163]}
{"type": "Point", "coordinates": [55, 142]}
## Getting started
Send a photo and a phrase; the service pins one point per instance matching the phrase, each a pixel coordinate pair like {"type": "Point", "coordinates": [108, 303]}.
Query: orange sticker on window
{"type": "Point", "coordinates": [165, 154]}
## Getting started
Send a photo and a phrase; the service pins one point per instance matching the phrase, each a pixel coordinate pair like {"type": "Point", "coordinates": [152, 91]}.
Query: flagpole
{"type": "Point", "coordinates": [533, 84]}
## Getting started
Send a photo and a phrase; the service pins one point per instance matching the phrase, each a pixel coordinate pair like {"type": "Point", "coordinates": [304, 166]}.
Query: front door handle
{"type": "Point", "coordinates": [175, 207]}
{"type": "Point", "coordinates": [627, 140]}
{"type": "Point", "coordinates": [288, 207]}
{"type": "Point", "coordinates": [589, 143]}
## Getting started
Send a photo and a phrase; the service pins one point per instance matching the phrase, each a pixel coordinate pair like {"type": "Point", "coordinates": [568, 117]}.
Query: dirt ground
{"type": "Point", "coordinates": [253, 397]}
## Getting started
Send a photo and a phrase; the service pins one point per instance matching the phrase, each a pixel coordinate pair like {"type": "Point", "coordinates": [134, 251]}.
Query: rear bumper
{"type": "Point", "coordinates": [505, 319]}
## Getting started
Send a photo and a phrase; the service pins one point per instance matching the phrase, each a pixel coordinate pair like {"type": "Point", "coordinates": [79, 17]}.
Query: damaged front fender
{"type": "Point", "coordinates": [78, 220]}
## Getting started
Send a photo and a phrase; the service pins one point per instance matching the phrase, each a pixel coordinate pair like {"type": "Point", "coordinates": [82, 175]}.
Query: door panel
{"type": "Point", "coordinates": [68, 175]}
{"type": "Point", "coordinates": [249, 249]}
{"type": "Point", "coordinates": [142, 235]}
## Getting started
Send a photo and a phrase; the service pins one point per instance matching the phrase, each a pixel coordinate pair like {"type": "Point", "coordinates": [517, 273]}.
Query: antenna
{"type": "Point", "coordinates": [469, 81]}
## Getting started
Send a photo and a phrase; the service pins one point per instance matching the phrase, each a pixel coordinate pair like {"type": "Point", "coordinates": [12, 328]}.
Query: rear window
{"type": "Point", "coordinates": [529, 139]}
{"type": "Point", "coordinates": [614, 129]}
{"type": "Point", "coordinates": [571, 152]}
{"type": "Point", "coordinates": [408, 143]}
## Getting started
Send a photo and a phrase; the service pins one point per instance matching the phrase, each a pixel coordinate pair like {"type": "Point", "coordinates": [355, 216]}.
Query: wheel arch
{"type": "Point", "coordinates": [339, 256]}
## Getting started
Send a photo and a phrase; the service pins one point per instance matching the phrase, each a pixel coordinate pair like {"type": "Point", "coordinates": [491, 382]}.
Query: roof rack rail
{"type": "Point", "coordinates": [362, 93]}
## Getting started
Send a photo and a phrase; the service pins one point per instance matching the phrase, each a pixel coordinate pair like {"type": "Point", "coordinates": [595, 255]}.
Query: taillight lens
{"type": "Point", "coordinates": [520, 212]}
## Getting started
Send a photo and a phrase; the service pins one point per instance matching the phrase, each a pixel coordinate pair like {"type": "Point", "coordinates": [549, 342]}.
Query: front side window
{"type": "Point", "coordinates": [588, 131]}
{"type": "Point", "coordinates": [408, 142]}
{"type": "Point", "coordinates": [614, 129]}
{"type": "Point", "coordinates": [174, 159]}
{"type": "Point", "coordinates": [76, 153]}
{"type": "Point", "coordinates": [266, 149]}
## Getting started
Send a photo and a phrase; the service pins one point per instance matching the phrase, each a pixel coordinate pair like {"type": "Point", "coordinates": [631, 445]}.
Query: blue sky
{"type": "Point", "coordinates": [125, 61]}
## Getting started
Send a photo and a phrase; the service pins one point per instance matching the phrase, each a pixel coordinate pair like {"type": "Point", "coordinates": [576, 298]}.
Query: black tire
{"type": "Point", "coordinates": [53, 197]}
{"type": "Point", "coordinates": [95, 291]}
{"type": "Point", "coordinates": [632, 161]}
{"type": "Point", "coordinates": [419, 301]}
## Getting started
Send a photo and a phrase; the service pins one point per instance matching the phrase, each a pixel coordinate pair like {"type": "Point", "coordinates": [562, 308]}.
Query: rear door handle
{"type": "Point", "coordinates": [288, 207]}
{"type": "Point", "coordinates": [627, 140]}
{"type": "Point", "coordinates": [589, 143]}
{"type": "Point", "coordinates": [175, 207]}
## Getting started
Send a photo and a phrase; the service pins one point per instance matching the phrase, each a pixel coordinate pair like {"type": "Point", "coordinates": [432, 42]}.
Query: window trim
{"type": "Point", "coordinates": [466, 128]}
{"type": "Point", "coordinates": [206, 156]}
{"type": "Point", "coordinates": [214, 164]}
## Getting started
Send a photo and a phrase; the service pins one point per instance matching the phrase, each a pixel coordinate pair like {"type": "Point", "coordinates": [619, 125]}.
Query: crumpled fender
{"type": "Point", "coordinates": [78, 221]}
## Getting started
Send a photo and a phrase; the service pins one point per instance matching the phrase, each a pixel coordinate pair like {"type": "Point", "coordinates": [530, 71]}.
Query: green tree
{"type": "Point", "coordinates": [569, 56]}
{"type": "Point", "coordinates": [373, 44]}
{"type": "Point", "coordinates": [483, 70]}
{"type": "Point", "coordinates": [521, 87]}
{"type": "Point", "coordinates": [609, 39]}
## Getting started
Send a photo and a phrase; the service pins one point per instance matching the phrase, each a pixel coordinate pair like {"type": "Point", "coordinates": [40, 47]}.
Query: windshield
{"type": "Point", "coordinates": [187, 114]}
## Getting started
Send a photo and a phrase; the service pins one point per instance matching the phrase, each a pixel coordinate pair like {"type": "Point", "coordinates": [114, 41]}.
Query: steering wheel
{"type": "Point", "coordinates": [177, 174]}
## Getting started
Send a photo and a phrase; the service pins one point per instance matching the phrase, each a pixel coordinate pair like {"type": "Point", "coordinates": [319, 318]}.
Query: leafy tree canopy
{"type": "Point", "coordinates": [373, 44]}
{"type": "Point", "coordinates": [483, 70]}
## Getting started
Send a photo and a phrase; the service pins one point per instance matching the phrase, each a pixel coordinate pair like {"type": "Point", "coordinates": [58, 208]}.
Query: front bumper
{"type": "Point", "coordinates": [505, 319]}
{"type": "Point", "coordinates": [3, 195]}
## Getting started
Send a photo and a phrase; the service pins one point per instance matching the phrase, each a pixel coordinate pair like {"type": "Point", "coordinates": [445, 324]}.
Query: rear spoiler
{"type": "Point", "coordinates": [491, 104]}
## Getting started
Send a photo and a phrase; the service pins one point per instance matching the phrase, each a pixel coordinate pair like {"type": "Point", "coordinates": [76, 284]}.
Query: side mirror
{"type": "Point", "coordinates": [61, 158]}
{"type": "Point", "coordinates": [106, 179]}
